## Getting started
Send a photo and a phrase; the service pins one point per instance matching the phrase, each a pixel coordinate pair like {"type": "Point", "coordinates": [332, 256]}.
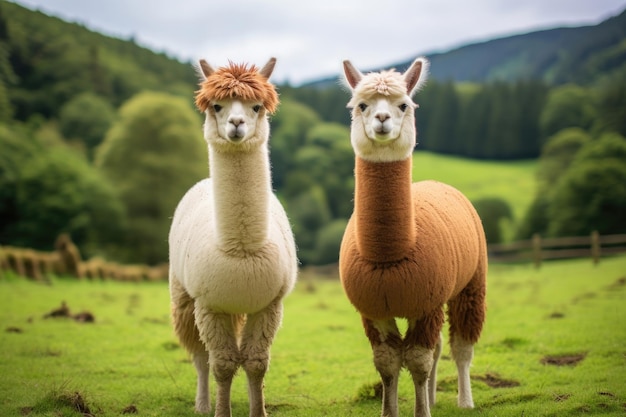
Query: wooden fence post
{"type": "Point", "coordinates": [537, 250]}
{"type": "Point", "coordinates": [595, 247]}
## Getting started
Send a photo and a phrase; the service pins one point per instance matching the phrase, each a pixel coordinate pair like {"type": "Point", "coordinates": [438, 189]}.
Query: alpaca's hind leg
{"type": "Point", "coordinates": [218, 334]}
{"type": "Point", "coordinates": [462, 353]}
{"type": "Point", "coordinates": [258, 334]}
{"type": "Point", "coordinates": [420, 346]}
{"type": "Point", "coordinates": [386, 342]}
{"type": "Point", "coordinates": [466, 314]}
{"type": "Point", "coordinates": [201, 362]}
{"type": "Point", "coordinates": [186, 330]}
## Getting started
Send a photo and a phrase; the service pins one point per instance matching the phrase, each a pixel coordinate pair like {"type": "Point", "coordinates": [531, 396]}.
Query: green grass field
{"type": "Point", "coordinates": [129, 360]}
{"type": "Point", "coordinates": [512, 181]}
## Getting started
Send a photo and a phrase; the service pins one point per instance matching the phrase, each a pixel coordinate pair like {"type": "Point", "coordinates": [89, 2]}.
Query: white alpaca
{"type": "Point", "coordinates": [232, 252]}
{"type": "Point", "coordinates": [409, 248]}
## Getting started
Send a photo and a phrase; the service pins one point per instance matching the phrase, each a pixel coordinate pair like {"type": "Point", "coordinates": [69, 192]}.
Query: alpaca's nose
{"type": "Point", "coordinates": [382, 116]}
{"type": "Point", "coordinates": [236, 121]}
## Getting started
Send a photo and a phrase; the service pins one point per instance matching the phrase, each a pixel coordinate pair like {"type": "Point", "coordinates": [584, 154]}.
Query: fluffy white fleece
{"type": "Point", "coordinates": [225, 279]}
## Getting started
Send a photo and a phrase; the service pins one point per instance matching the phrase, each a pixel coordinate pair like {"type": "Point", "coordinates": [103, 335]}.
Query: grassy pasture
{"type": "Point", "coordinates": [129, 360]}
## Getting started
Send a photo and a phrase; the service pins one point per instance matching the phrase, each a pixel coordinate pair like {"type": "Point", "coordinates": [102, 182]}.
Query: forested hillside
{"type": "Point", "coordinates": [581, 55]}
{"type": "Point", "coordinates": [99, 138]}
{"type": "Point", "coordinates": [47, 61]}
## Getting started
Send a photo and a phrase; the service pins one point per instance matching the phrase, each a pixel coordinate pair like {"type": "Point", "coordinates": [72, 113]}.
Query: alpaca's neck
{"type": "Point", "coordinates": [383, 210]}
{"type": "Point", "coordinates": [241, 192]}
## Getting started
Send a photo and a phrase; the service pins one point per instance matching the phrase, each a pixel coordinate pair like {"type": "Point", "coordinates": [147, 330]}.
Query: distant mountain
{"type": "Point", "coordinates": [575, 54]}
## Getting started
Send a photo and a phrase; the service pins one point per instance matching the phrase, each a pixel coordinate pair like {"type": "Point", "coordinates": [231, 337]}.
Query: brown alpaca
{"type": "Point", "coordinates": [409, 248]}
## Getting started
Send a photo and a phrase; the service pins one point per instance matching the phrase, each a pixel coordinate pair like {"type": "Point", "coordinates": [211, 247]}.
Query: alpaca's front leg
{"type": "Point", "coordinates": [420, 356]}
{"type": "Point", "coordinates": [218, 334]}
{"type": "Point", "coordinates": [386, 344]}
{"type": "Point", "coordinates": [258, 335]}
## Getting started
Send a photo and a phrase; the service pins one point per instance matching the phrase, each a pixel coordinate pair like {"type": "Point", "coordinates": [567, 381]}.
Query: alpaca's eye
{"type": "Point", "coordinates": [403, 106]}
{"type": "Point", "coordinates": [362, 106]}
{"type": "Point", "coordinates": [256, 108]}
{"type": "Point", "coordinates": [217, 108]}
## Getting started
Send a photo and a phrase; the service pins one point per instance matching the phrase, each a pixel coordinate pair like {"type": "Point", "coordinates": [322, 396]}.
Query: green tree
{"type": "Point", "coordinates": [7, 75]}
{"type": "Point", "coordinates": [440, 134]}
{"type": "Point", "coordinates": [59, 192]}
{"type": "Point", "coordinates": [608, 146]}
{"type": "Point", "coordinates": [152, 155]}
{"type": "Point", "coordinates": [531, 96]}
{"type": "Point", "coordinates": [612, 105]}
{"type": "Point", "coordinates": [86, 118]}
{"type": "Point", "coordinates": [567, 106]}
{"type": "Point", "coordinates": [328, 158]}
{"type": "Point", "coordinates": [328, 242]}
{"type": "Point", "coordinates": [17, 148]}
{"type": "Point", "coordinates": [320, 185]}
{"type": "Point", "coordinates": [308, 212]}
{"type": "Point", "coordinates": [475, 111]}
{"type": "Point", "coordinates": [503, 124]}
{"type": "Point", "coordinates": [591, 197]}
{"type": "Point", "coordinates": [592, 194]}
{"type": "Point", "coordinates": [557, 155]}
{"type": "Point", "coordinates": [493, 211]}
{"type": "Point", "coordinates": [290, 126]}
{"type": "Point", "coordinates": [536, 218]}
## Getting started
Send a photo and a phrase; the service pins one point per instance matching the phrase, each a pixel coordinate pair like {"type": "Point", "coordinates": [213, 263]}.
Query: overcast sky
{"type": "Point", "coordinates": [312, 38]}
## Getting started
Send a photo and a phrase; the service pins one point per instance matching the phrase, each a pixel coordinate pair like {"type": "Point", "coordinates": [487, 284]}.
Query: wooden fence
{"type": "Point", "coordinates": [539, 249]}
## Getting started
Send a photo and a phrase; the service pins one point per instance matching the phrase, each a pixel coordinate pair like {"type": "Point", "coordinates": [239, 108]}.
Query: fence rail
{"type": "Point", "coordinates": [539, 249]}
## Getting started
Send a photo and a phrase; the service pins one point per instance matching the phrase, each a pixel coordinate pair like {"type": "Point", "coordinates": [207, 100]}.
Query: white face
{"type": "Point", "coordinates": [383, 129]}
{"type": "Point", "coordinates": [236, 119]}
{"type": "Point", "coordinates": [383, 117]}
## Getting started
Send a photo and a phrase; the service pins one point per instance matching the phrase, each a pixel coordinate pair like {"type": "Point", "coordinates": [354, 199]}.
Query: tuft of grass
{"type": "Point", "coordinates": [128, 358]}
{"type": "Point", "coordinates": [370, 391]}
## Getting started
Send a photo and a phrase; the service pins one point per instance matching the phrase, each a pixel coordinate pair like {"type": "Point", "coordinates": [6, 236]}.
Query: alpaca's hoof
{"type": "Point", "coordinates": [203, 408]}
{"type": "Point", "coordinates": [466, 403]}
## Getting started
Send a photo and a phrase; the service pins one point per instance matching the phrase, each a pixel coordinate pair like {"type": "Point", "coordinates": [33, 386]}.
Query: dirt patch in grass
{"type": "Point", "coordinates": [563, 360]}
{"type": "Point", "coordinates": [64, 312]}
{"type": "Point", "coordinates": [514, 342]}
{"type": "Point", "coordinates": [272, 408]}
{"type": "Point", "coordinates": [510, 399]}
{"type": "Point", "coordinates": [496, 381]}
{"type": "Point", "coordinates": [13, 329]}
{"type": "Point", "coordinates": [561, 397]}
{"type": "Point", "coordinates": [582, 297]}
{"type": "Point", "coordinates": [84, 317]}
{"type": "Point", "coordinates": [617, 284]}
{"type": "Point", "coordinates": [556, 315]}
{"type": "Point", "coordinates": [131, 409]}
{"type": "Point", "coordinates": [24, 411]}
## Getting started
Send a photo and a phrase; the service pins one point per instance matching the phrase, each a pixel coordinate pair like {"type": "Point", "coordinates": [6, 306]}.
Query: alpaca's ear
{"type": "Point", "coordinates": [415, 76]}
{"type": "Point", "coordinates": [205, 70]}
{"type": "Point", "coordinates": [353, 75]}
{"type": "Point", "coordinates": [267, 70]}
